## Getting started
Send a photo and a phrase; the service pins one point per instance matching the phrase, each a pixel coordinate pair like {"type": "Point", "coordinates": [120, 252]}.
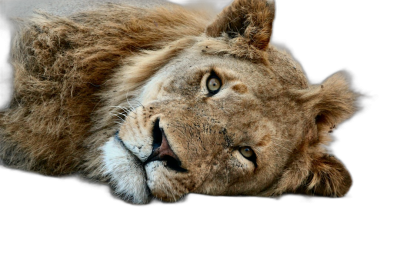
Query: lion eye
{"type": "Point", "coordinates": [247, 152]}
{"type": "Point", "coordinates": [213, 84]}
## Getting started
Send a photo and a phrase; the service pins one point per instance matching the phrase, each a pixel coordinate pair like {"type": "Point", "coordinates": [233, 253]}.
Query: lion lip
{"type": "Point", "coordinates": [121, 142]}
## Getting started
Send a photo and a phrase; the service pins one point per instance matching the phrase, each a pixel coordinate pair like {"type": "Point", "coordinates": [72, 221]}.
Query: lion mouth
{"type": "Point", "coordinates": [162, 150]}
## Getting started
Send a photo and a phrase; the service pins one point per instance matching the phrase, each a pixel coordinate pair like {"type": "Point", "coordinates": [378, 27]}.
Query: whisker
{"type": "Point", "coordinates": [129, 103]}
{"type": "Point", "coordinates": [168, 189]}
{"type": "Point", "coordinates": [117, 115]}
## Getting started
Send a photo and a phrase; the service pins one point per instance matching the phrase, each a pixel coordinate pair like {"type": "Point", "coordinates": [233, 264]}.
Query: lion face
{"type": "Point", "coordinates": [224, 114]}
{"type": "Point", "coordinates": [203, 128]}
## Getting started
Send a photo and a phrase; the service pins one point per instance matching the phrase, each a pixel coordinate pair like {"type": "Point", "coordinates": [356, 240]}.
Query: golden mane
{"type": "Point", "coordinates": [65, 62]}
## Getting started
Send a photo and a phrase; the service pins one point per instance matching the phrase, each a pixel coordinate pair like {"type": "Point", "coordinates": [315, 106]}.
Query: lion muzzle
{"type": "Point", "coordinates": [162, 150]}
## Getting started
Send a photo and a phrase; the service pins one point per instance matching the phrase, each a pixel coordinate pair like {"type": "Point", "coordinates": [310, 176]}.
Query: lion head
{"type": "Point", "coordinates": [224, 113]}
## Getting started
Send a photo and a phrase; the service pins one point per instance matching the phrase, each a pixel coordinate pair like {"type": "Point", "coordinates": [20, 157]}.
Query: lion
{"type": "Point", "coordinates": [164, 101]}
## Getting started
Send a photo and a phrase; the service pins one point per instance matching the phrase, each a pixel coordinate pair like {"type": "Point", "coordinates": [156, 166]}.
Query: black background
{"type": "Point", "coordinates": [325, 37]}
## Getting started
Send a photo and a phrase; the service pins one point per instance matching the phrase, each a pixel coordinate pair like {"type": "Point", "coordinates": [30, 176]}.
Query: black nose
{"type": "Point", "coordinates": [162, 150]}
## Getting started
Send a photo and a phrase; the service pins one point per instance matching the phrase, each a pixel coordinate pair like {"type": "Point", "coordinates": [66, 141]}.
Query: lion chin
{"type": "Point", "coordinates": [164, 101]}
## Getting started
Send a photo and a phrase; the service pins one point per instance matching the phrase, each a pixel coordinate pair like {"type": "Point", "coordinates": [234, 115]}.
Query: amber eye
{"type": "Point", "coordinates": [247, 152]}
{"type": "Point", "coordinates": [213, 84]}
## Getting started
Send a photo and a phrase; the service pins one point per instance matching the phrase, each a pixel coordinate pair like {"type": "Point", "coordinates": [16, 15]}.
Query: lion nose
{"type": "Point", "coordinates": [161, 148]}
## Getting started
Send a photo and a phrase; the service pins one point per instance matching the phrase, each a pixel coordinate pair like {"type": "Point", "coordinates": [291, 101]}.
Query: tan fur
{"type": "Point", "coordinates": [79, 80]}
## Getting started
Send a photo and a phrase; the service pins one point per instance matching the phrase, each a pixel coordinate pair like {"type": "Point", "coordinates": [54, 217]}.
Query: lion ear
{"type": "Point", "coordinates": [314, 174]}
{"type": "Point", "coordinates": [248, 20]}
{"type": "Point", "coordinates": [330, 103]}
{"type": "Point", "coordinates": [327, 177]}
